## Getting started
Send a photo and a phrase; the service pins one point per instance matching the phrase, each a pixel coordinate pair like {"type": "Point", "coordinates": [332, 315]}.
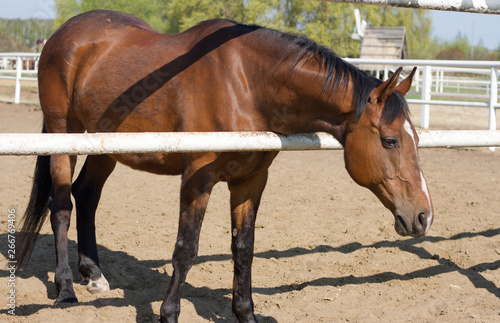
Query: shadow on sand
{"type": "Point", "coordinates": [214, 304]}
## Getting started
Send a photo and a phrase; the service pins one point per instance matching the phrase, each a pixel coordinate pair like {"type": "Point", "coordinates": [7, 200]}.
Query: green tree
{"type": "Point", "coordinates": [151, 11]}
{"type": "Point", "coordinates": [451, 52]}
{"type": "Point", "coordinates": [65, 9]}
{"type": "Point", "coordinates": [9, 44]}
{"type": "Point", "coordinates": [460, 48]}
{"type": "Point", "coordinates": [496, 53]}
{"type": "Point", "coordinates": [183, 14]}
{"type": "Point", "coordinates": [332, 24]}
{"type": "Point", "coordinates": [457, 49]}
{"type": "Point", "coordinates": [25, 32]}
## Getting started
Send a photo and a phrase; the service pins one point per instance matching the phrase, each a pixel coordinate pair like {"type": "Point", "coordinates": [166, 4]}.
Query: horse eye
{"type": "Point", "coordinates": [389, 142]}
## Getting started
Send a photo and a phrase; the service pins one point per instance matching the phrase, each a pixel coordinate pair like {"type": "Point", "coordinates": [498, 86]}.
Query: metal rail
{"type": "Point", "coordinates": [478, 6]}
{"type": "Point", "coordinates": [188, 142]}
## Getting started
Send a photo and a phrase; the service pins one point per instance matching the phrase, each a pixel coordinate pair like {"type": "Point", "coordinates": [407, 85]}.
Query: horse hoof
{"type": "Point", "coordinates": [67, 300]}
{"type": "Point", "coordinates": [98, 286]}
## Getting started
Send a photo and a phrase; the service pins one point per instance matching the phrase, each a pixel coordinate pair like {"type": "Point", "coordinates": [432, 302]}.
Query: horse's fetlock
{"type": "Point", "coordinates": [170, 313]}
{"type": "Point", "coordinates": [243, 311]}
{"type": "Point", "coordinates": [88, 269]}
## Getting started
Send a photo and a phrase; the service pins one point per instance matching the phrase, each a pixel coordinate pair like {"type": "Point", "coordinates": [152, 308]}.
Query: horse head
{"type": "Point", "coordinates": [381, 154]}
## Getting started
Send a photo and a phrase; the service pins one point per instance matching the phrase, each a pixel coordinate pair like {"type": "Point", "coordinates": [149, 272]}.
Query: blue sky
{"type": "Point", "coordinates": [43, 9]}
{"type": "Point", "coordinates": [446, 24]}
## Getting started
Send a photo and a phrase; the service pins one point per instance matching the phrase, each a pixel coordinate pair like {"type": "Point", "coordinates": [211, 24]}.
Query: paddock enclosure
{"type": "Point", "coordinates": [312, 264]}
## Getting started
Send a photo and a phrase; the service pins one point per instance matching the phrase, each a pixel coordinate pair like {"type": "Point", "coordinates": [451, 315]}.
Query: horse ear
{"type": "Point", "coordinates": [382, 92]}
{"type": "Point", "coordinates": [405, 85]}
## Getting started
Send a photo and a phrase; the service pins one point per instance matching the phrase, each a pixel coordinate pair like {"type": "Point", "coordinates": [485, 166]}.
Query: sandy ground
{"type": "Point", "coordinates": [326, 250]}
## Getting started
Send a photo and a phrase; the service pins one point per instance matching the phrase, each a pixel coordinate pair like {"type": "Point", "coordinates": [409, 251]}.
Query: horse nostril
{"type": "Point", "coordinates": [422, 220]}
{"type": "Point", "coordinates": [401, 223]}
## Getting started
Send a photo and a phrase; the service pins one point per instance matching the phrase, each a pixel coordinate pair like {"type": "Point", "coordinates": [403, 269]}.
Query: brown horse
{"type": "Point", "coordinates": [106, 71]}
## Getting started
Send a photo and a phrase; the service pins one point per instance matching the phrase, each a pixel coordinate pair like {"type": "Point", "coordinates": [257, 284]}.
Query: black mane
{"type": "Point", "coordinates": [337, 72]}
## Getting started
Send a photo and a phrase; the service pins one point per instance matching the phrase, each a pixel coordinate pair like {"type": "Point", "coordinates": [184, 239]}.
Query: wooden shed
{"type": "Point", "coordinates": [383, 43]}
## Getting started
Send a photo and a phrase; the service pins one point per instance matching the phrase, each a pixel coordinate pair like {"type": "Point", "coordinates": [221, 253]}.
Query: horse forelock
{"type": "Point", "coordinates": [395, 106]}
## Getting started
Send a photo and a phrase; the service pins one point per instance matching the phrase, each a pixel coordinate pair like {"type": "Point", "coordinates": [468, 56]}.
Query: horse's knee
{"type": "Point", "coordinates": [61, 201]}
{"type": "Point", "coordinates": [184, 255]}
{"type": "Point", "coordinates": [243, 252]}
{"type": "Point", "coordinates": [60, 209]}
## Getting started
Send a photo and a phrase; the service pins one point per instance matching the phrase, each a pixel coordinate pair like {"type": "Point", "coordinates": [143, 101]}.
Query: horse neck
{"type": "Point", "coordinates": [301, 105]}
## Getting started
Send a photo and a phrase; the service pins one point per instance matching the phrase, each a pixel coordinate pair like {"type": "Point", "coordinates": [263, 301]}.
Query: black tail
{"type": "Point", "coordinates": [37, 209]}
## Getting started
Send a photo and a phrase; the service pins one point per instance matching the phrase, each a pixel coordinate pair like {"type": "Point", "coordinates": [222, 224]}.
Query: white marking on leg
{"type": "Point", "coordinates": [98, 286]}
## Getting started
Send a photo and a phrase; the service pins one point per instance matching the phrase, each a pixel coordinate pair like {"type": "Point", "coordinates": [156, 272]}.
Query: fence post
{"type": "Point", "coordinates": [493, 100]}
{"type": "Point", "coordinates": [442, 82]}
{"type": "Point", "coordinates": [386, 73]}
{"type": "Point", "coordinates": [426, 95]}
{"type": "Point", "coordinates": [19, 69]}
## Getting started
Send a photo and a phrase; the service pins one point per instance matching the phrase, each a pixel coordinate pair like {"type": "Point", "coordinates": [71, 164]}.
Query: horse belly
{"type": "Point", "coordinates": [157, 163]}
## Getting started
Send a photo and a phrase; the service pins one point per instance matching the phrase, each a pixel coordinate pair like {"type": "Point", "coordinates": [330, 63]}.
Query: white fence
{"type": "Point", "coordinates": [188, 142]}
{"type": "Point", "coordinates": [425, 81]}
{"type": "Point", "coordinates": [19, 67]}
{"type": "Point", "coordinates": [431, 75]}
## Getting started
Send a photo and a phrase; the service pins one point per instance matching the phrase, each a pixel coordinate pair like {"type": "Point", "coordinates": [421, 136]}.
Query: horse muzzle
{"type": "Point", "coordinates": [415, 226]}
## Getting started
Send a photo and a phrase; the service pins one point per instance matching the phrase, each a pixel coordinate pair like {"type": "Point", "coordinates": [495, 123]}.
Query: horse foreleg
{"type": "Point", "coordinates": [61, 170]}
{"type": "Point", "coordinates": [87, 192]}
{"type": "Point", "coordinates": [195, 192]}
{"type": "Point", "coordinates": [245, 199]}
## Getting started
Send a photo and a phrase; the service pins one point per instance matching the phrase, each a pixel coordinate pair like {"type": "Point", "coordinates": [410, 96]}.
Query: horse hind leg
{"type": "Point", "coordinates": [56, 120]}
{"type": "Point", "coordinates": [87, 192]}
{"type": "Point", "coordinates": [59, 117]}
{"type": "Point", "coordinates": [61, 169]}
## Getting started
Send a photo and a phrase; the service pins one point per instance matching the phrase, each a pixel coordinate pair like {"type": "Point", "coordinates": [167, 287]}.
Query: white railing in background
{"type": "Point", "coordinates": [431, 75]}
{"type": "Point", "coordinates": [19, 67]}
{"type": "Point", "coordinates": [424, 81]}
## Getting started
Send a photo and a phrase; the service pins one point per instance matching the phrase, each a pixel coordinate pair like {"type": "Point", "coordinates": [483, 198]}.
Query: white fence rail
{"type": "Point", "coordinates": [188, 142]}
{"type": "Point", "coordinates": [479, 6]}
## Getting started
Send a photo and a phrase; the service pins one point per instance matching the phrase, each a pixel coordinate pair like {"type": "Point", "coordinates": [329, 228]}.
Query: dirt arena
{"type": "Point", "coordinates": [326, 249]}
